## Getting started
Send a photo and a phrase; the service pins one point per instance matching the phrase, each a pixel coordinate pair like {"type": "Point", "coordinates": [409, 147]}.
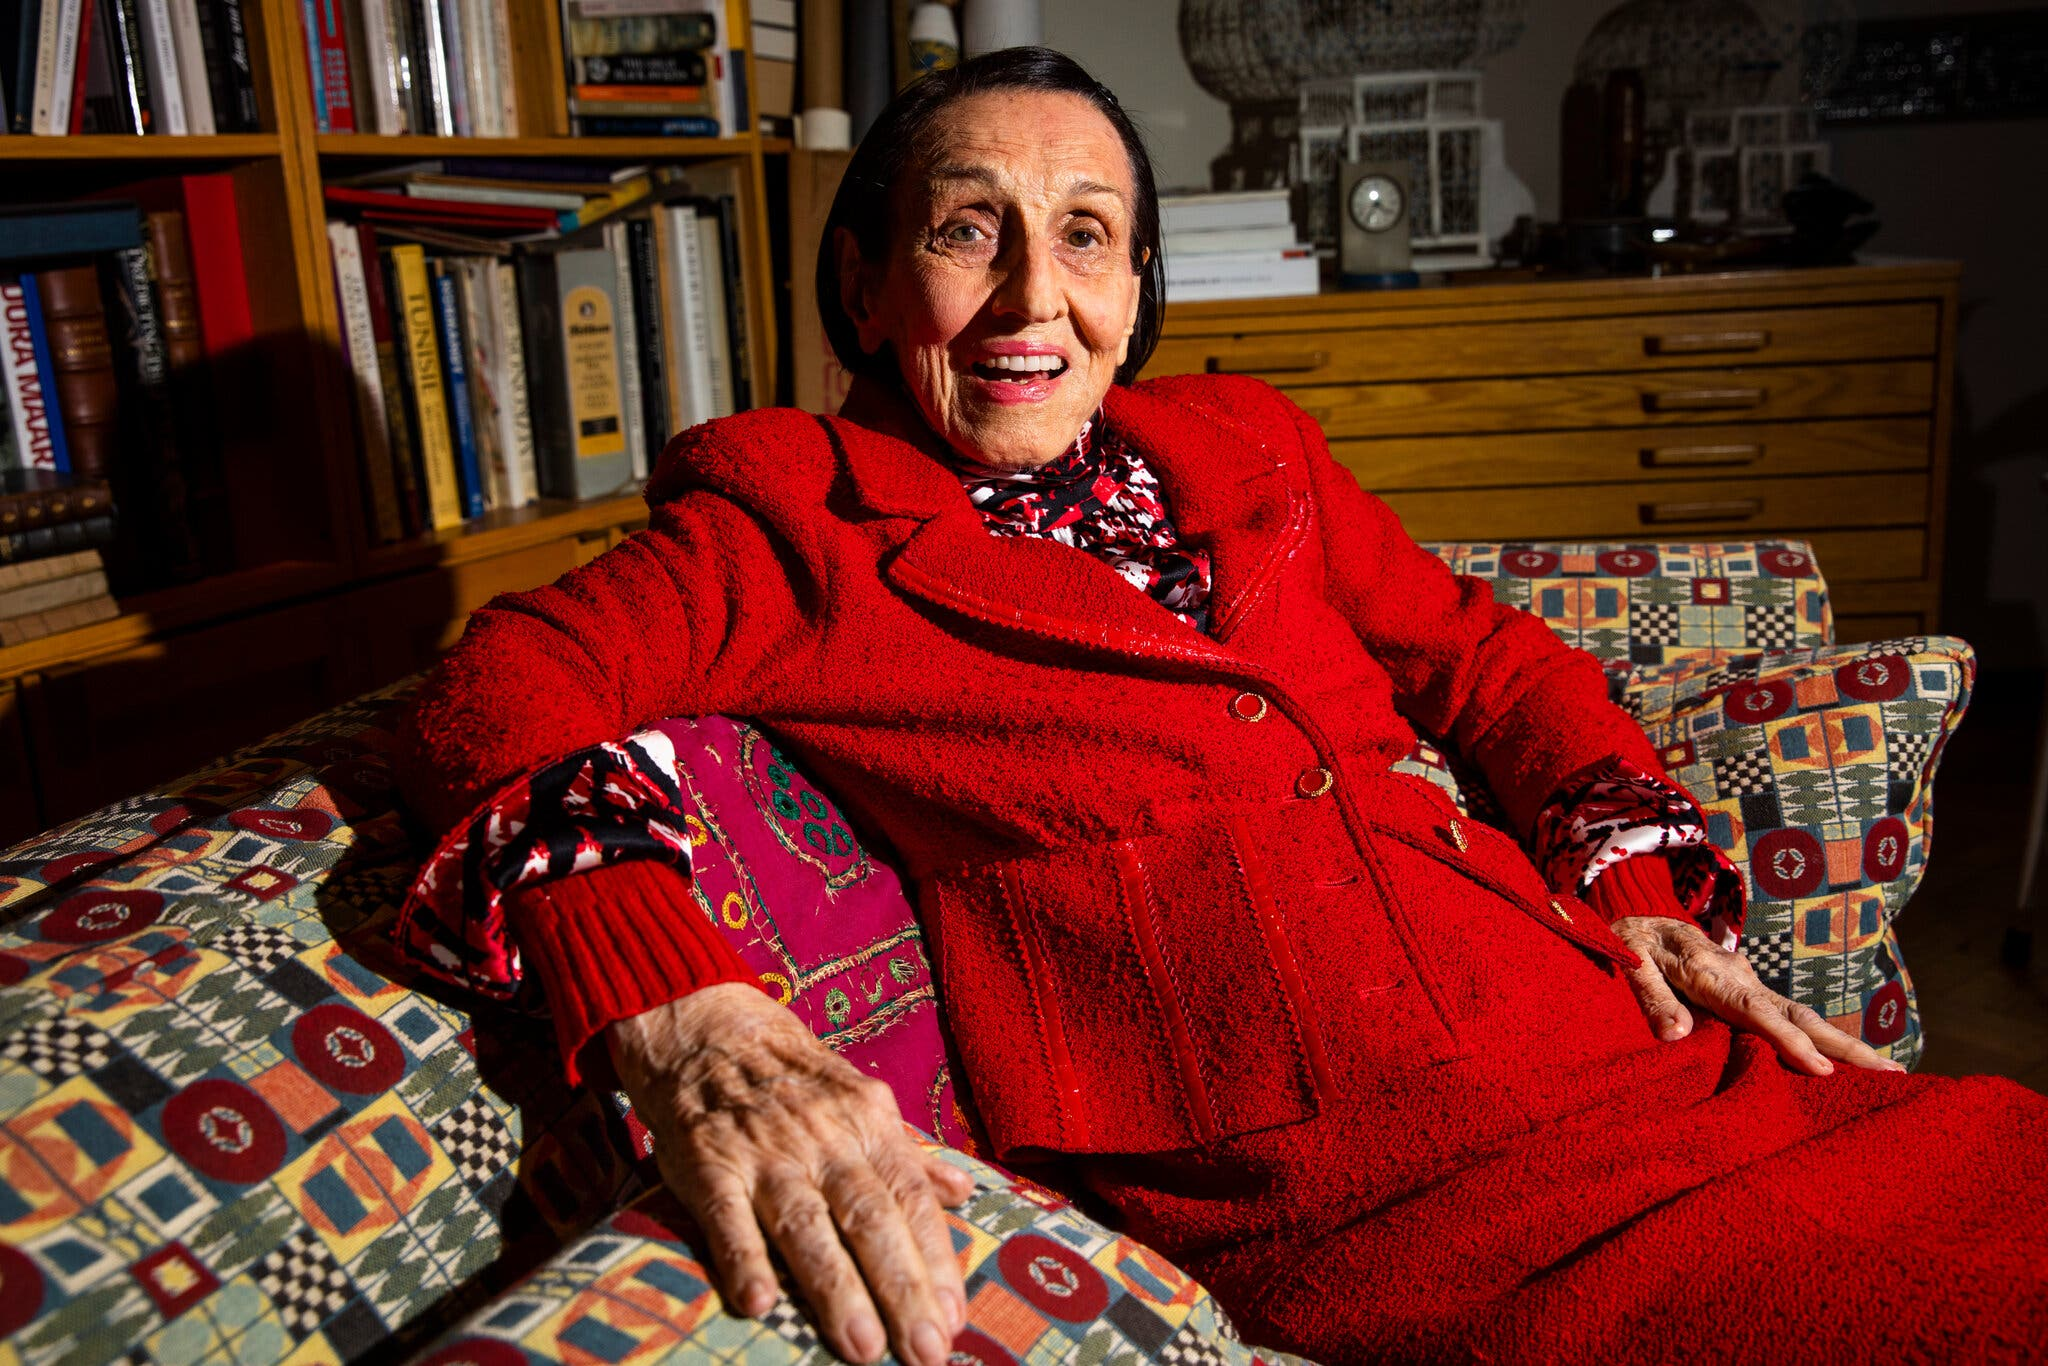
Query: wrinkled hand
{"type": "Point", "coordinates": [1678, 954]}
{"type": "Point", "coordinates": [759, 1127]}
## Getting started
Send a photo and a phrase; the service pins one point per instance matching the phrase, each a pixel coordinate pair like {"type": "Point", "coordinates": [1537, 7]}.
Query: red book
{"type": "Point", "coordinates": [214, 229]}
{"type": "Point", "coordinates": [329, 47]}
{"type": "Point", "coordinates": [381, 204]}
{"type": "Point", "coordinates": [84, 64]}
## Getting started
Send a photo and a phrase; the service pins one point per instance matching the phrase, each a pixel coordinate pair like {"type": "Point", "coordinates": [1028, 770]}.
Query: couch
{"type": "Point", "coordinates": [236, 1124]}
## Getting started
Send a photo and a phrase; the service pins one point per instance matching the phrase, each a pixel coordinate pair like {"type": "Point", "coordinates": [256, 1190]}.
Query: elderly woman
{"type": "Point", "coordinates": [1119, 669]}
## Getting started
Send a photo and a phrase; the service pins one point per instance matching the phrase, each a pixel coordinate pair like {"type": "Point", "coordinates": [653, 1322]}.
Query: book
{"type": "Point", "coordinates": [572, 365]}
{"type": "Point", "coordinates": [33, 499]}
{"type": "Point", "coordinates": [383, 204]}
{"type": "Point", "coordinates": [46, 369]}
{"type": "Point", "coordinates": [70, 617]}
{"type": "Point", "coordinates": [191, 59]}
{"type": "Point", "coordinates": [160, 56]}
{"type": "Point", "coordinates": [601, 28]}
{"type": "Point", "coordinates": [718, 341]}
{"type": "Point", "coordinates": [43, 232]}
{"type": "Point", "coordinates": [696, 126]}
{"type": "Point", "coordinates": [17, 573]}
{"type": "Point", "coordinates": [21, 26]}
{"type": "Point", "coordinates": [616, 246]}
{"type": "Point", "coordinates": [685, 68]}
{"type": "Point", "coordinates": [327, 64]}
{"type": "Point", "coordinates": [81, 72]}
{"type": "Point", "coordinates": [476, 296]}
{"type": "Point", "coordinates": [684, 327]}
{"type": "Point", "coordinates": [130, 59]}
{"type": "Point", "coordinates": [380, 100]}
{"type": "Point", "coordinates": [57, 538]}
{"type": "Point", "coordinates": [465, 192]}
{"type": "Point", "coordinates": [398, 426]}
{"type": "Point", "coordinates": [56, 64]}
{"type": "Point", "coordinates": [193, 400]}
{"type": "Point", "coordinates": [497, 26]}
{"type": "Point", "coordinates": [1250, 275]}
{"type": "Point", "coordinates": [428, 386]}
{"type": "Point", "coordinates": [455, 374]}
{"type": "Point", "coordinates": [102, 111]}
{"type": "Point", "coordinates": [1268, 238]}
{"type": "Point", "coordinates": [75, 321]}
{"type": "Point", "coordinates": [433, 59]}
{"type": "Point", "coordinates": [1233, 209]}
{"type": "Point", "coordinates": [607, 108]}
{"type": "Point", "coordinates": [522, 473]}
{"type": "Point", "coordinates": [152, 476]}
{"type": "Point", "coordinates": [30, 398]}
{"type": "Point", "coordinates": [410, 77]}
{"type": "Point", "coordinates": [366, 380]}
{"type": "Point", "coordinates": [230, 24]}
{"type": "Point", "coordinates": [51, 593]}
{"type": "Point", "coordinates": [647, 340]}
{"type": "Point", "coordinates": [719, 183]}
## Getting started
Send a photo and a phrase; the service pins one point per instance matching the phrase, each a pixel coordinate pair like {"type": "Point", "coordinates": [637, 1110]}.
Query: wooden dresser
{"type": "Point", "coordinates": [1811, 404]}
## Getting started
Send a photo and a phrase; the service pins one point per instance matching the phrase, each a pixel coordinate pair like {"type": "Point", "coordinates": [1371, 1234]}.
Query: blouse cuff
{"type": "Point", "coordinates": [613, 942]}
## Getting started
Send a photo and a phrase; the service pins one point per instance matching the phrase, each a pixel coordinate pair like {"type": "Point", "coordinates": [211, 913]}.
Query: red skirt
{"type": "Point", "coordinates": [1511, 1168]}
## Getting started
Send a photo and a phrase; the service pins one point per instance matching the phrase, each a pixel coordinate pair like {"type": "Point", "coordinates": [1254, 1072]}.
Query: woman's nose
{"type": "Point", "coordinates": [1030, 288]}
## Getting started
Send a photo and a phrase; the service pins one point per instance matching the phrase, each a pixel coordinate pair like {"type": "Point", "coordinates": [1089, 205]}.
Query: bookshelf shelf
{"type": "Point", "coordinates": [414, 147]}
{"type": "Point", "coordinates": [506, 530]}
{"type": "Point", "coordinates": [105, 148]}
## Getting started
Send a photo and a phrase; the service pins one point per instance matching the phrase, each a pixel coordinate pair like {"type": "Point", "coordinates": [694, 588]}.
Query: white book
{"type": "Point", "coordinates": [478, 77]}
{"type": "Point", "coordinates": [50, 112]}
{"type": "Point", "coordinates": [629, 349]}
{"type": "Point", "coordinates": [780, 12]}
{"type": "Point", "coordinates": [454, 65]}
{"type": "Point", "coordinates": [378, 104]}
{"type": "Point", "coordinates": [498, 20]}
{"type": "Point", "coordinates": [1228, 239]}
{"type": "Point", "coordinates": [496, 194]}
{"type": "Point", "coordinates": [774, 43]}
{"type": "Point", "coordinates": [191, 55]}
{"type": "Point", "coordinates": [1236, 209]}
{"type": "Point", "coordinates": [522, 467]}
{"type": "Point", "coordinates": [711, 258]}
{"type": "Point", "coordinates": [29, 395]}
{"type": "Point", "coordinates": [476, 295]}
{"type": "Point", "coordinates": [366, 380]}
{"type": "Point", "coordinates": [686, 316]}
{"type": "Point", "coordinates": [160, 55]}
{"type": "Point", "coordinates": [1275, 277]}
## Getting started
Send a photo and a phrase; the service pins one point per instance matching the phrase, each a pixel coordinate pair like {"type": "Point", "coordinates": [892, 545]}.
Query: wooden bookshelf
{"type": "Point", "coordinates": [323, 610]}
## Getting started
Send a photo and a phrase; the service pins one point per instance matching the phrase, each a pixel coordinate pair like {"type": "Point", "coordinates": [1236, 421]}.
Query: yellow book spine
{"type": "Point", "coordinates": [437, 449]}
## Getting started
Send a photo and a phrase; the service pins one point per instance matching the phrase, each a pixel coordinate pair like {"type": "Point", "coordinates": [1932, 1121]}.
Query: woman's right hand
{"type": "Point", "coordinates": [760, 1129]}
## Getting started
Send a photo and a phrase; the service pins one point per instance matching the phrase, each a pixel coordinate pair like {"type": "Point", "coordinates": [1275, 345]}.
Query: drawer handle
{"type": "Point", "coordinates": [1268, 362]}
{"type": "Point", "coordinates": [1702, 455]}
{"type": "Point", "coordinates": [1726, 510]}
{"type": "Point", "coordinates": [1703, 343]}
{"type": "Point", "coordinates": [1698, 400]}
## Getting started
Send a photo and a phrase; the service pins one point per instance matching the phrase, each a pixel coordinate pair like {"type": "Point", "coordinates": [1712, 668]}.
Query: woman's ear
{"type": "Point", "coordinates": [853, 289]}
{"type": "Point", "coordinates": [1123, 345]}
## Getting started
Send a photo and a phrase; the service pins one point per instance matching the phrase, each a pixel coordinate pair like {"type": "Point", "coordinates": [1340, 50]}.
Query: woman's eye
{"type": "Point", "coordinates": [1082, 237]}
{"type": "Point", "coordinates": [963, 232]}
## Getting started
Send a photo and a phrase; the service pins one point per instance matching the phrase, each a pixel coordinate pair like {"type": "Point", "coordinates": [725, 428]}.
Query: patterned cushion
{"type": "Point", "coordinates": [1661, 603]}
{"type": "Point", "coordinates": [234, 1128]}
{"type": "Point", "coordinates": [1816, 772]}
{"type": "Point", "coordinates": [1044, 1284]}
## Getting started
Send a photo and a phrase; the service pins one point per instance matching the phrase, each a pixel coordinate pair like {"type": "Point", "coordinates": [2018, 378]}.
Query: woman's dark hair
{"type": "Point", "coordinates": [897, 140]}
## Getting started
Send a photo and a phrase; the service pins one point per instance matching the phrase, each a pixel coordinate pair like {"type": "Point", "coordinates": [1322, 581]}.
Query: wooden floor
{"type": "Point", "coordinates": [1981, 1015]}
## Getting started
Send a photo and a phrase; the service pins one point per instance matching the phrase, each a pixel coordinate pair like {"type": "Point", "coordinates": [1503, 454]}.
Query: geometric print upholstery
{"type": "Point", "coordinates": [235, 1127]}
{"type": "Point", "coordinates": [1815, 769]}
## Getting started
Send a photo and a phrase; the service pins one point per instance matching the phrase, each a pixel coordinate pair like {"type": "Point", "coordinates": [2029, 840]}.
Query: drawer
{"type": "Point", "coordinates": [1376, 352]}
{"type": "Point", "coordinates": [1672, 398]}
{"type": "Point", "coordinates": [1843, 446]}
{"type": "Point", "coordinates": [1882, 598]}
{"type": "Point", "coordinates": [1848, 557]}
{"type": "Point", "coordinates": [1725, 509]}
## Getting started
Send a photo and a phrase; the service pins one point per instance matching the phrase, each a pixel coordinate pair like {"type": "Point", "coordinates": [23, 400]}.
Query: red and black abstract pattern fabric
{"type": "Point", "coordinates": [1614, 811]}
{"type": "Point", "coordinates": [1100, 497]}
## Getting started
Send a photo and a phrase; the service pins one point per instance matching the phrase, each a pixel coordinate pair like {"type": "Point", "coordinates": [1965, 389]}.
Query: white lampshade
{"type": "Point", "coordinates": [987, 25]}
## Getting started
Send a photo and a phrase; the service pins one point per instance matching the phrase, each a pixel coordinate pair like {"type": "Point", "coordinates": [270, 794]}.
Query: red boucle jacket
{"type": "Point", "coordinates": [1101, 808]}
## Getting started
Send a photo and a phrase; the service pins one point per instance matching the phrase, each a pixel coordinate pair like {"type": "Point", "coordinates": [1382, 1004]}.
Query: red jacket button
{"type": "Point", "coordinates": [1248, 706]}
{"type": "Point", "coordinates": [1314, 782]}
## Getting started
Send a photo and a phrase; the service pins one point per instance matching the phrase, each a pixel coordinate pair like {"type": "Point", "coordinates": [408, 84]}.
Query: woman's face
{"type": "Point", "coordinates": [1007, 289]}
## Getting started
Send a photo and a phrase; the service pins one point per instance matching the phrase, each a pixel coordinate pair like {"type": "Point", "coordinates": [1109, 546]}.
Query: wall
{"type": "Point", "coordinates": [1974, 192]}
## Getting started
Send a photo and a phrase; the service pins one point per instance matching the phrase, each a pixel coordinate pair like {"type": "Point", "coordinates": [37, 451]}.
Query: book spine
{"type": "Point", "coordinates": [739, 311]}
{"type": "Point", "coordinates": [76, 324]}
{"type": "Point", "coordinates": [717, 343]}
{"type": "Point", "coordinates": [455, 375]}
{"type": "Point", "coordinates": [434, 50]}
{"type": "Point", "coordinates": [588, 308]}
{"type": "Point", "coordinates": [316, 71]}
{"type": "Point", "coordinates": [36, 625]}
{"type": "Point", "coordinates": [160, 53]}
{"type": "Point", "coordinates": [170, 261]}
{"type": "Point", "coordinates": [429, 387]}
{"type": "Point", "coordinates": [131, 65]}
{"type": "Point", "coordinates": [589, 126]}
{"type": "Point", "coordinates": [639, 69]}
{"type": "Point", "coordinates": [234, 26]}
{"type": "Point", "coordinates": [63, 537]}
{"type": "Point", "coordinates": [81, 69]}
{"type": "Point", "coordinates": [546, 377]}
{"type": "Point", "coordinates": [36, 508]}
{"type": "Point", "coordinates": [654, 420]}
{"type": "Point", "coordinates": [381, 97]}
{"type": "Point", "coordinates": [28, 395]}
{"type": "Point", "coordinates": [46, 367]}
{"type": "Point", "coordinates": [405, 40]}
{"type": "Point", "coordinates": [668, 279]}
{"type": "Point", "coordinates": [104, 110]}
{"type": "Point", "coordinates": [51, 42]}
{"type": "Point", "coordinates": [453, 50]}
{"type": "Point", "coordinates": [151, 429]}
{"type": "Point", "coordinates": [214, 236]}
{"type": "Point", "coordinates": [213, 55]}
{"type": "Point", "coordinates": [522, 477]}
{"type": "Point", "coordinates": [474, 42]}
{"type": "Point", "coordinates": [352, 295]}
{"type": "Point", "coordinates": [21, 81]}
{"type": "Point", "coordinates": [498, 19]}
{"type": "Point", "coordinates": [334, 76]}
{"type": "Point", "coordinates": [191, 59]}
{"type": "Point", "coordinates": [696, 329]}
{"type": "Point", "coordinates": [55, 567]}
{"type": "Point", "coordinates": [391, 371]}
{"type": "Point", "coordinates": [51, 593]}
{"type": "Point", "coordinates": [629, 353]}
{"type": "Point", "coordinates": [477, 295]}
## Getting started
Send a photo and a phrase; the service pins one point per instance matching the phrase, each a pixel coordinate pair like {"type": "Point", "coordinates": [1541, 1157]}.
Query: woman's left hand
{"type": "Point", "coordinates": [1677, 954]}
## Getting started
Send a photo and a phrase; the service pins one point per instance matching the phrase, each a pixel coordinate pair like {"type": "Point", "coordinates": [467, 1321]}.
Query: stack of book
{"type": "Point", "coordinates": [1239, 245]}
{"type": "Point", "coordinates": [652, 68]}
{"type": "Point", "coordinates": [413, 66]}
{"type": "Point", "coordinates": [40, 596]}
{"type": "Point", "coordinates": [504, 347]}
{"type": "Point", "coordinates": [112, 315]}
{"type": "Point", "coordinates": [126, 66]}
